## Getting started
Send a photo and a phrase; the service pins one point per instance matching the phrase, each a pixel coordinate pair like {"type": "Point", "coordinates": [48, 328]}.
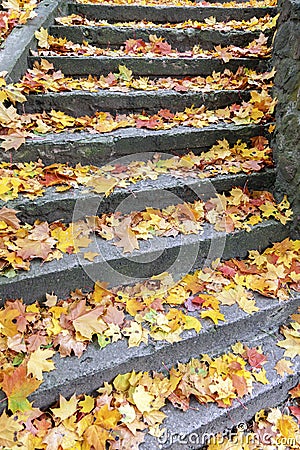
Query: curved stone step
{"type": "Point", "coordinates": [97, 149]}
{"type": "Point", "coordinates": [152, 67]}
{"type": "Point", "coordinates": [80, 103]}
{"type": "Point", "coordinates": [155, 256]}
{"type": "Point", "coordinates": [174, 14]}
{"type": "Point", "coordinates": [60, 205]}
{"type": "Point", "coordinates": [182, 40]}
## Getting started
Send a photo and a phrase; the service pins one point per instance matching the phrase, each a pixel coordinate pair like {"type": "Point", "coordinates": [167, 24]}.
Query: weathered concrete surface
{"type": "Point", "coordinates": [181, 39]}
{"type": "Point", "coordinates": [80, 103]}
{"type": "Point", "coordinates": [287, 89]}
{"type": "Point", "coordinates": [152, 67]}
{"type": "Point", "coordinates": [15, 49]}
{"type": "Point", "coordinates": [87, 148]}
{"type": "Point", "coordinates": [155, 256]}
{"type": "Point", "coordinates": [60, 205]}
{"type": "Point", "coordinates": [173, 14]}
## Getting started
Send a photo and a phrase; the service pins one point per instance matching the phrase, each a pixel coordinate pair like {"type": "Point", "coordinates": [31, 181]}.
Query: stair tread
{"type": "Point", "coordinates": [55, 205]}
{"type": "Point", "coordinates": [163, 13]}
{"type": "Point", "coordinates": [87, 373]}
{"type": "Point", "coordinates": [146, 66]}
{"type": "Point", "coordinates": [95, 148]}
{"type": "Point", "coordinates": [168, 253]}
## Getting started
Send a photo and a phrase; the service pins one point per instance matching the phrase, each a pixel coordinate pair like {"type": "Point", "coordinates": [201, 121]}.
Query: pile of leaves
{"type": "Point", "coordinates": [14, 127]}
{"type": "Point", "coordinates": [271, 428]}
{"type": "Point", "coordinates": [231, 4]}
{"type": "Point", "coordinates": [158, 309]}
{"type": "Point", "coordinates": [13, 13]}
{"type": "Point", "coordinates": [254, 24]}
{"type": "Point", "coordinates": [156, 47]}
{"type": "Point", "coordinates": [235, 210]}
{"type": "Point", "coordinates": [31, 179]}
{"type": "Point", "coordinates": [43, 78]}
{"type": "Point", "coordinates": [20, 243]}
{"type": "Point", "coordinates": [124, 410]}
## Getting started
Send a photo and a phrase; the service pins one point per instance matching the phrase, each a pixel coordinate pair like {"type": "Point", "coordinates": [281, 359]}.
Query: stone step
{"type": "Point", "coordinates": [80, 103]}
{"type": "Point", "coordinates": [97, 149]}
{"type": "Point", "coordinates": [193, 428]}
{"type": "Point", "coordinates": [155, 256]}
{"type": "Point", "coordinates": [181, 40]}
{"type": "Point", "coordinates": [159, 14]}
{"type": "Point", "coordinates": [60, 205]}
{"type": "Point", "coordinates": [87, 374]}
{"type": "Point", "coordinates": [150, 67]}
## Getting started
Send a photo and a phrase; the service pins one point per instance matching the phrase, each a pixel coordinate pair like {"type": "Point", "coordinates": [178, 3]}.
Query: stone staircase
{"type": "Point", "coordinates": [86, 374]}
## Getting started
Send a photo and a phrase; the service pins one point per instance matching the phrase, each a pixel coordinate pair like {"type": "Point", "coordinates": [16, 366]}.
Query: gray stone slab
{"type": "Point", "coordinates": [152, 67]}
{"type": "Point", "coordinates": [60, 205]}
{"type": "Point", "coordinates": [180, 39]}
{"type": "Point", "coordinates": [88, 148]}
{"type": "Point", "coordinates": [15, 49]}
{"type": "Point", "coordinates": [173, 14]}
{"type": "Point", "coordinates": [80, 103]}
{"type": "Point", "coordinates": [176, 255]}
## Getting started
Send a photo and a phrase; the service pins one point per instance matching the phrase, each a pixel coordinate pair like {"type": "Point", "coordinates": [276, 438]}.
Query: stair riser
{"type": "Point", "coordinates": [182, 40]}
{"type": "Point", "coordinates": [99, 149]}
{"type": "Point", "coordinates": [153, 67]}
{"type": "Point", "coordinates": [154, 257]}
{"type": "Point", "coordinates": [80, 103]}
{"type": "Point", "coordinates": [59, 206]}
{"type": "Point", "coordinates": [173, 14]}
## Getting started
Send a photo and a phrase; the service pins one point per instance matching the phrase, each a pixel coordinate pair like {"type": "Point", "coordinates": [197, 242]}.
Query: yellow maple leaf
{"type": "Point", "coordinates": [42, 38]}
{"type": "Point", "coordinates": [142, 399]}
{"type": "Point", "coordinates": [67, 407]}
{"type": "Point", "coordinates": [37, 363]}
{"type": "Point", "coordinates": [9, 426]}
{"type": "Point", "coordinates": [215, 316]}
{"type": "Point", "coordinates": [283, 366]}
{"type": "Point", "coordinates": [287, 426]}
{"type": "Point", "coordinates": [87, 404]}
{"type": "Point", "coordinates": [261, 376]}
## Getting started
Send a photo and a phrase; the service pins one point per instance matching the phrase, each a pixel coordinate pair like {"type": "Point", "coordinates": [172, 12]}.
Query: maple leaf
{"type": "Point", "coordinates": [283, 366]}
{"type": "Point", "coordinates": [13, 140]}
{"type": "Point", "coordinates": [33, 249]}
{"type": "Point", "coordinates": [9, 428]}
{"type": "Point", "coordinates": [89, 323]}
{"type": "Point", "coordinates": [142, 399]}
{"type": "Point", "coordinates": [287, 426]}
{"type": "Point", "coordinates": [8, 327]}
{"type": "Point", "coordinates": [255, 359]}
{"type": "Point", "coordinates": [37, 363]}
{"type": "Point", "coordinates": [67, 407]}
{"type": "Point", "coordinates": [107, 418]}
{"type": "Point", "coordinates": [42, 37]}
{"type": "Point", "coordinates": [96, 436]}
{"type": "Point", "coordinates": [8, 216]}
{"type": "Point", "coordinates": [17, 386]}
{"type": "Point", "coordinates": [127, 238]}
